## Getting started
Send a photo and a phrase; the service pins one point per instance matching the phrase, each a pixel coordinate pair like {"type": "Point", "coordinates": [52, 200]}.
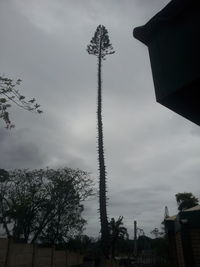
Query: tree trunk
{"type": "Point", "coordinates": [102, 171]}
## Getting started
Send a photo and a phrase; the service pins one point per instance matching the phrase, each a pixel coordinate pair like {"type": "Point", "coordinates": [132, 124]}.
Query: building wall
{"type": "Point", "coordinates": [195, 243]}
{"type": "Point", "coordinates": [172, 249]}
{"type": "Point", "coordinates": [185, 248]}
{"type": "Point", "coordinates": [179, 250]}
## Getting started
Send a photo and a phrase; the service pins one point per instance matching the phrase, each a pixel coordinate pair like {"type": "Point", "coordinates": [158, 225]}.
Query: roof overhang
{"type": "Point", "coordinates": [173, 39]}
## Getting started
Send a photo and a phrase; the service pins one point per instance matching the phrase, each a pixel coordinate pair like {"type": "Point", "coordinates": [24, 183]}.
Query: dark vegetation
{"type": "Point", "coordinates": [43, 205]}
{"type": "Point", "coordinates": [117, 233]}
{"type": "Point", "coordinates": [186, 200]}
{"type": "Point", "coordinates": [91, 247]}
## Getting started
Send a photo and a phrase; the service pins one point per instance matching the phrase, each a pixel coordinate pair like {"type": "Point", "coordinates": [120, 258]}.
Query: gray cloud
{"type": "Point", "coordinates": [17, 152]}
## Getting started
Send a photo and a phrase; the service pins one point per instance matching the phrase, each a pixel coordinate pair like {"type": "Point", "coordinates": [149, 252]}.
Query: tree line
{"type": "Point", "coordinates": [43, 205]}
{"type": "Point", "coordinates": [46, 205]}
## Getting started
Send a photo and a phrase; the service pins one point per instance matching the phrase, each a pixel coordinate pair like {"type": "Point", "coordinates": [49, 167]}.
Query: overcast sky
{"type": "Point", "coordinates": [151, 152]}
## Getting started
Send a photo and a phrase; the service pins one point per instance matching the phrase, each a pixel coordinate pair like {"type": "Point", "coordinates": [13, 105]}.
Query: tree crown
{"type": "Point", "coordinates": [186, 200]}
{"type": "Point", "coordinates": [117, 230]}
{"type": "Point", "coordinates": [100, 45]}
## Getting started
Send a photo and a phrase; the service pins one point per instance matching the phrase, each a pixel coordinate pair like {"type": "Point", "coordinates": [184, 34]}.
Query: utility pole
{"type": "Point", "coordinates": [135, 238]}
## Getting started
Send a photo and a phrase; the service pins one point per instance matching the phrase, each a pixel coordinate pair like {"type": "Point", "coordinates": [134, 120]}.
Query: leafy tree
{"type": "Point", "coordinates": [43, 205]}
{"type": "Point", "coordinates": [10, 95]}
{"type": "Point", "coordinates": [101, 47]}
{"type": "Point", "coordinates": [117, 232]}
{"type": "Point", "coordinates": [186, 201]}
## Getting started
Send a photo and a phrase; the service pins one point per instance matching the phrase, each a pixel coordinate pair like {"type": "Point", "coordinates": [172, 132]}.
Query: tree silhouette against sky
{"type": "Point", "coordinates": [10, 95]}
{"type": "Point", "coordinates": [186, 200]}
{"type": "Point", "coordinates": [101, 47]}
{"type": "Point", "coordinates": [117, 232]}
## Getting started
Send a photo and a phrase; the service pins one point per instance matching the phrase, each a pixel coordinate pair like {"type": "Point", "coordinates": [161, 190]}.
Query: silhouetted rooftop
{"type": "Point", "coordinates": [170, 13]}
{"type": "Point", "coordinates": [172, 37]}
{"type": "Point", "coordinates": [173, 218]}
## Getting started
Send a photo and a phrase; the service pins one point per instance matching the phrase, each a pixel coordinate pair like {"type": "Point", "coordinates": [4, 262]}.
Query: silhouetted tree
{"type": "Point", "coordinates": [101, 47]}
{"type": "Point", "coordinates": [186, 201]}
{"type": "Point", "coordinates": [117, 232]}
{"type": "Point", "coordinates": [10, 95]}
{"type": "Point", "coordinates": [43, 205]}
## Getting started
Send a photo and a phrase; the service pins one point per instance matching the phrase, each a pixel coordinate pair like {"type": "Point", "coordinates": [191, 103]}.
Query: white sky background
{"type": "Point", "coordinates": [151, 152]}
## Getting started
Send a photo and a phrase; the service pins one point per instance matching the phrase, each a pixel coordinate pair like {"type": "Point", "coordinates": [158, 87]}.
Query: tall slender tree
{"type": "Point", "coordinates": [101, 47]}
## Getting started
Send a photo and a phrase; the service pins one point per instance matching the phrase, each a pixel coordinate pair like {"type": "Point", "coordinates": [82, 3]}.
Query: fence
{"type": "Point", "coordinates": [30, 255]}
{"type": "Point", "coordinates": [145, 261]}
{"type": "Point", "coordinates": [153, 262]}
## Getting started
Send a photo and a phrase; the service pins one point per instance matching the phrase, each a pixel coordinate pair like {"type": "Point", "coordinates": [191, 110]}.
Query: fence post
{"type": "Point", "coordinates": [52, 255]}
{"type": "Point", "coordinates": [33, 255]}
{"type": "Point", "coordinates": [66, 258]}
{"type": "Point", "coordinates": [10, 240]}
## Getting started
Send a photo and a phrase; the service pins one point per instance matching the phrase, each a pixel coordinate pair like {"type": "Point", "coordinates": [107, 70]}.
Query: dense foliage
{"type": "Point", "coordinates": [43, 205]}
{"type": "Point", "coordinates": [186, 201]}
{"type": "Point", "coordinates": [117, 232]}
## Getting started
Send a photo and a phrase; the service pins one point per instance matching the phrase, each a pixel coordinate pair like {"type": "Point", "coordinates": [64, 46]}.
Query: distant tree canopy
{"type": "Point", "coordinates": [10, 95]}
{"type": "Point", "coordinates": [186, 201]}
{"type": "Point", "coordinates": [43, 205]}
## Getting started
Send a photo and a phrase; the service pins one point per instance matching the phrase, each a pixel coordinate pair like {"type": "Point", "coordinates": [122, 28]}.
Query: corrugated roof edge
{"type": "Point", "coordinates": [173, 218]}
{"type": "Point", "coordinates": [195, 208]}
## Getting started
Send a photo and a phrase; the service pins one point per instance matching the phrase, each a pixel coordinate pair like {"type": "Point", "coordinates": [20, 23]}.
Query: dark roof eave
{"type": "Point", "coordinates": [166, 16]}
